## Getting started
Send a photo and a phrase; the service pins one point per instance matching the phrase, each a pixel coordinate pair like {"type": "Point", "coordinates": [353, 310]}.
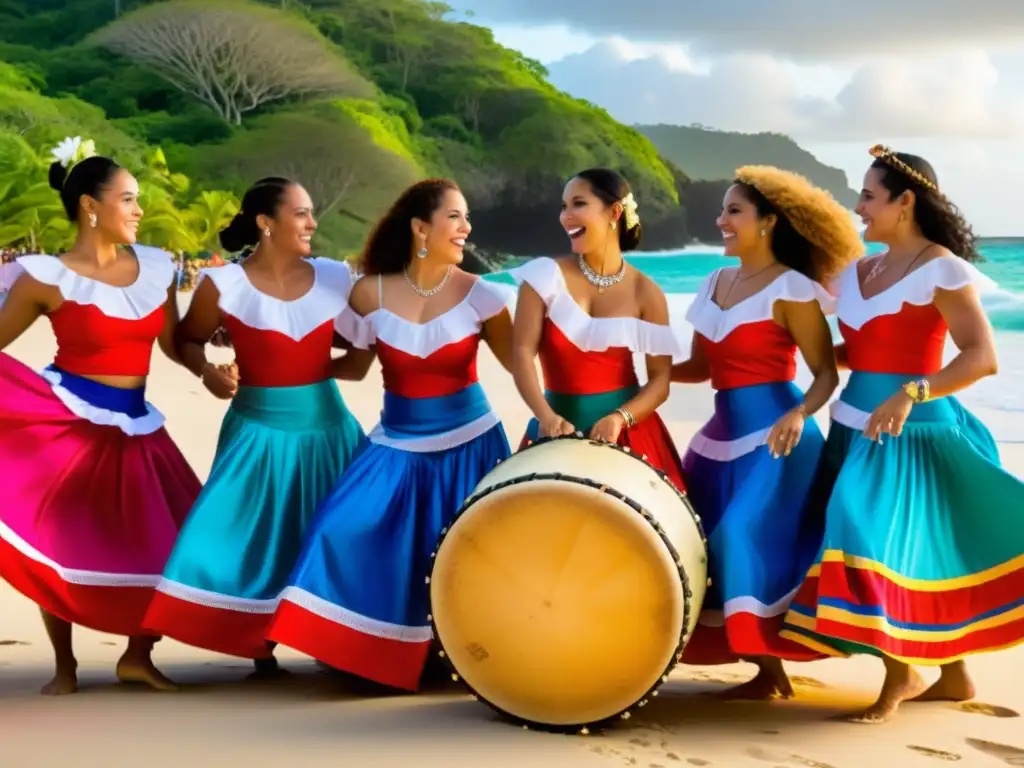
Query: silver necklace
{"type": "Point", "coordinates": [428, 292]}
{"type": "Point", "coordinates": [602, 281]}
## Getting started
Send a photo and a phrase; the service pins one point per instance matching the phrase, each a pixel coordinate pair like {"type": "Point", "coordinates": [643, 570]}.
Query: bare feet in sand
{"type": "Point", "coordinates": [901, 683]}
{"type": "Point", "coordinates": [954, 684]}
{"type": "Point", "coordinates": [771, 682]}
{"type": "Point", "coordinates": [140, 669]}
{"type": "Point", "coordinates": [65, 680]}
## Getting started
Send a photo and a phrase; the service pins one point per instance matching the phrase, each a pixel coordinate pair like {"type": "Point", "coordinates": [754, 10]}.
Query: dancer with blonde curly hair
{"type": "Point", "coordinates": [921, 562]}
{"type": "Point", "coordinates": [750, 470]}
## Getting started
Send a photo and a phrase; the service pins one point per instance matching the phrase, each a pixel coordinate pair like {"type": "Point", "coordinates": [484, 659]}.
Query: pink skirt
{"type": "Point", "coordinates": [93, 494]}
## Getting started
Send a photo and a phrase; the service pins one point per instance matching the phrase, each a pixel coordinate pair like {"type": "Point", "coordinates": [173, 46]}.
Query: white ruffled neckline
{"type": "Point", "coordinates": [588, 333]}
{"type": "Point", "coordinates": [917, 288]}
{"type": "Point", "coordinates": [715, 324]}
{"type": "Point", "coordinates": [296, 319]}
{"type": "Point", "coordinates": [133, 302]}
{"type": "Point", "coordinates": [482, 302]}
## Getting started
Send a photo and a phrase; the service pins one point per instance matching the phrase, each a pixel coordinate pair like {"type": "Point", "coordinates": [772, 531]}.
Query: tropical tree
{"type": "Point", "coordinates": [233, 55]}
{"type": "Point", "coordinates": [208, 214]}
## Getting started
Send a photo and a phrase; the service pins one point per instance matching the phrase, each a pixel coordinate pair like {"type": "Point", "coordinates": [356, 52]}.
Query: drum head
{"type": "Point", "coordinates": [557, 602]}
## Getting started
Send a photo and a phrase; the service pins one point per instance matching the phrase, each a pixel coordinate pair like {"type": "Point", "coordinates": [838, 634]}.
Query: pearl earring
{"type": "Point", "coordinates": [92, 220]}
{"type": "Point", "coordinates": [614, 226]}
{"type": "Point", "coordinates": [267, 231]}
{"type": "Point", "coordinates": [421, 253]}
{"type": "Point", "coordinates": [763, 233]}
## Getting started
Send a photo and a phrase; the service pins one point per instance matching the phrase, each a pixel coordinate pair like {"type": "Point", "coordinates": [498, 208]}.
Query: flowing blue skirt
{"type": "Point", "coordinates": [923, 551]}
{"type": "Point", "coordinates": [280, 452]}
{"type": "Point", "coordinates": [763, 526]}
{"type": "Point", "coordinates": [358, 599]}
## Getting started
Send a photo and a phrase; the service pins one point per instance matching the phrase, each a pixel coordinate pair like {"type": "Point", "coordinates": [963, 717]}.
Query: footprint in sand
{"type": "Point", "coordinates": [14, 642]}
{"type": "Point", "coordinates": [992, 710]}
{"type": "Point", "coordinates": [938, 754]}
{"type": "Point", "coordinates": [697, 761]}
{"type": "Point", "coordinates": [774, 757]}
{"type": "Point", "coordinates": [1009, 755]}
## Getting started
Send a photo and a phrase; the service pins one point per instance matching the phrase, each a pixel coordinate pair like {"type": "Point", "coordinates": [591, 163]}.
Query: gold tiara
{"type": "Point", "coordinates": [887, 156]}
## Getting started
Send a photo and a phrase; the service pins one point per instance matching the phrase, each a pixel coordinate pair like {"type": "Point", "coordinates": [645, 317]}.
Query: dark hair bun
{"type": "Point", "coordinates": [629, 239]}
{"type": "Point", "coordinates": [241, 233]}
{"type": "Point", "coordinates": [58, 175]}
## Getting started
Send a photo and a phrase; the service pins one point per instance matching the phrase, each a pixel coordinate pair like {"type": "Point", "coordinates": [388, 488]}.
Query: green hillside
{"type": "Point", "coordinates": [353, 98]}
{"type": "Point", "coordinates": [708, 154]}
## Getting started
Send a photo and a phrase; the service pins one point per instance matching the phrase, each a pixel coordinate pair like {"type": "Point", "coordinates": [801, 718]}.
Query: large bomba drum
{"type": "Point", "coordinates": [566, 587]}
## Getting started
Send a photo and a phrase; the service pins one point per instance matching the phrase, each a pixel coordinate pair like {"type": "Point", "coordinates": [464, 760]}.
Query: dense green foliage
{"type": "Point", "coordinates": [443, 98]}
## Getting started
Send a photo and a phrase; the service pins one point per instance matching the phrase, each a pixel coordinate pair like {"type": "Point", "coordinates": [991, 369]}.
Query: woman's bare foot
{"type": "Point", "coordinates": [954, 684]}
{"type": "Point", "coordinates": [771, 682]}
{"type": "Point", "coordinates": [901, 683]}
{"type": "Point", "coordinates": [267, 668]}
{"type": "Point", "coordinates": [136, 666]}
{"type": "Point", "coordinates": [65, 680]}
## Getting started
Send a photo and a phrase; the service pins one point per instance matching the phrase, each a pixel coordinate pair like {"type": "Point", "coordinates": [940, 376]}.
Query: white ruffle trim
{"type": "Point", "coordinates": [728, 450]}
{"type": "Point", "coordinates": [351, 619]}
{"type": "Point", "coordinates": [134, 302]}
{"type": "Point", "coordinates": [9, 273]}
{"type": "Point", "coordinates": [76, 575]}
{"type": "Point", "coordinates": [715, 324]}
{"type": "Point", "coordinates": [216, 600]}
{"type": "Point", "coordinates": [484, 301]}
{"type": "Point", "coordinates": [440, 442]}
{"type": "Point", "coordinates": [848, 416]}
{"type": "Point", "coordinates": [747, 604]}
{"type": "Point", "coordinates": [949, 273]}
{"type": "Point", "coordinates": [326, 300]}
{"type": "Point", "coordinates": [593, 334]}
{"type": "Point", "coordinates": [143, 425]}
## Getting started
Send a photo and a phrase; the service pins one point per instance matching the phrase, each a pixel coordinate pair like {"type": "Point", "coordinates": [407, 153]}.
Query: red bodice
{"type": "Point", "coordinates": [445, 371]}
{"type": "Point", "coordinates": [272, 359]}
{"type": "Point", "coordinates": [91, 344]}
{"type": "Point", "coordinates": [570, 370]}
{"type": "Point", "coordinates": [754, 353]}
{"type": "Point", "coordinates": [909, 342]}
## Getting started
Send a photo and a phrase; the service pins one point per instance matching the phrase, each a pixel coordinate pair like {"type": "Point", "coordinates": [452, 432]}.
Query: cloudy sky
{"type": "Point", "coordinates": [941, 78]}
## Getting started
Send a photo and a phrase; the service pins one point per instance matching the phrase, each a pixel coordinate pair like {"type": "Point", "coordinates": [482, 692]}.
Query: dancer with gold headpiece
{"type": "Point", "coordinates": [922, 557]}
{"type": "Point", "coordinates": [750, 470]}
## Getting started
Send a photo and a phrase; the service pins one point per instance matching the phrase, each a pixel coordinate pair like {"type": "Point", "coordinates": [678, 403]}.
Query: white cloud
{"type": "Point", "coordinates": [958, 94]}
{"type": "Point", "coordinates": [806, 29]}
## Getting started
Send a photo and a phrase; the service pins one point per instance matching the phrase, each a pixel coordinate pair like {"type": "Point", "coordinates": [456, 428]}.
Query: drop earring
{"type": "Point", "coordinates": [92, 220]}
{"type": "Point", "coordinates": [614, 226]}
{"type": "Point", "coordinates": [763, 233]}
{"type": "Point", "coordinates": [421, 253]}
{"type": "Point", "coordinates": [266, 232]}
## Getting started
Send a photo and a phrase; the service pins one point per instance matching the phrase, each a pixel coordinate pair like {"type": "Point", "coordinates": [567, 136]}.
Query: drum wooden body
{"type": "Point", "coordinates": [567, 586]}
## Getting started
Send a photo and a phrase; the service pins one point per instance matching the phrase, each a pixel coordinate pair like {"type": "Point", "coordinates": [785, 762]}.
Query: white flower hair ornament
{"type": "Point", "coordinates": [629, 214]}
{"type": "Point", "coordinates": [72, 151]}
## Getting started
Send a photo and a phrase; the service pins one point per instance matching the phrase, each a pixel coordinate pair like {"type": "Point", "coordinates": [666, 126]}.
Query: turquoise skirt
{"type": "Point", "coordinates": [280, 453]}
{"type": "Point", "coordinates": [923, 553]}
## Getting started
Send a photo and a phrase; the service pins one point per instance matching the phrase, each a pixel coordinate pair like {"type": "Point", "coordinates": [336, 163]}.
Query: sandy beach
{"type": "Point", "coordinates": [310, 719]}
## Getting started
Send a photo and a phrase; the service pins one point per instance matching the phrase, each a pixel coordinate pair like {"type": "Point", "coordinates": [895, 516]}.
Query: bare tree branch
{"type": "Point", "coordinates": [233, 56]}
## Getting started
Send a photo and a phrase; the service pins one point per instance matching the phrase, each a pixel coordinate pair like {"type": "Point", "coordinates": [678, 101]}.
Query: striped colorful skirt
{"type": "Point", "coordinates": [281, 451]}
{"type": "Point", "coordinates": [649, 438]}
{"type": "Point", "coordinates": [358, 599]}
{"type": "Point", "coordinates": [92, 495]}
{"type": "Point", "coordinates": [923, 553]}
{"type": "Point", "coordinates": [762, 521]}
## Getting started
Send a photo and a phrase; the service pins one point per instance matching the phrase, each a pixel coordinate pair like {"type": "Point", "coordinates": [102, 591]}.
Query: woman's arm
{"type": "Point", "coordinates": [697, 369]}
{"type": "Point", "coordinates": [498, 332]}
{"type": "Point", "coordinates": [809, 329]}
{"type": "Point", "coordinates": [842, 361]}
{"type": "Point", "coordinates": [972, 333]}
{"type": "Point", "coordinates": [26, 302]}
{"type": "Point", "coordinates": [194, 331]}
{"type": "Point", "coordinates": [171, 320]}
{"type": "Point", "coordinates": [354, 364]}
{"type": "Point", "coordinates": [654, 309]}
{"type": "Point", "coordinates": [526, 334]}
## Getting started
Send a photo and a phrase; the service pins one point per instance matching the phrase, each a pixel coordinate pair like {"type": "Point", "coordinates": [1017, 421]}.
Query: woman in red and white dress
{"type": "Point", "coordinates": [94, 490]}
{"type": "Point", "coordinates": [285, 440]}
{"type": "Point", "coordinates": [358, 599]}
{"type": "Point", "coordinates": [586, 317]}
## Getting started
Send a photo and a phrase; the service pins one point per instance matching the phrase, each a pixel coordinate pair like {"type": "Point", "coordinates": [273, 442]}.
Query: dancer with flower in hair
{"type": "Point", "coordinates": [94, 490]}
{"type": "Point", "coordinates": [750, 470]}
{"type": "Point", "coordinates": [923, 555]}
{"type": "Point", "coordinates": [285, 440]}
{"type": "Point", "coordinates": [358, 600]}
{"type": "Point", "coordinates": [586, 317]}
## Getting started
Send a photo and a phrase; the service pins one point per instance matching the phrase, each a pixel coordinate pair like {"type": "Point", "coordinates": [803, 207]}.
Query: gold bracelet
{"type": "Point", "coordinates": [802, 410]}
{"type": "Point", "coordinates": [630, 421]}
{"type": "Point", "coordinates": [918, 391]}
